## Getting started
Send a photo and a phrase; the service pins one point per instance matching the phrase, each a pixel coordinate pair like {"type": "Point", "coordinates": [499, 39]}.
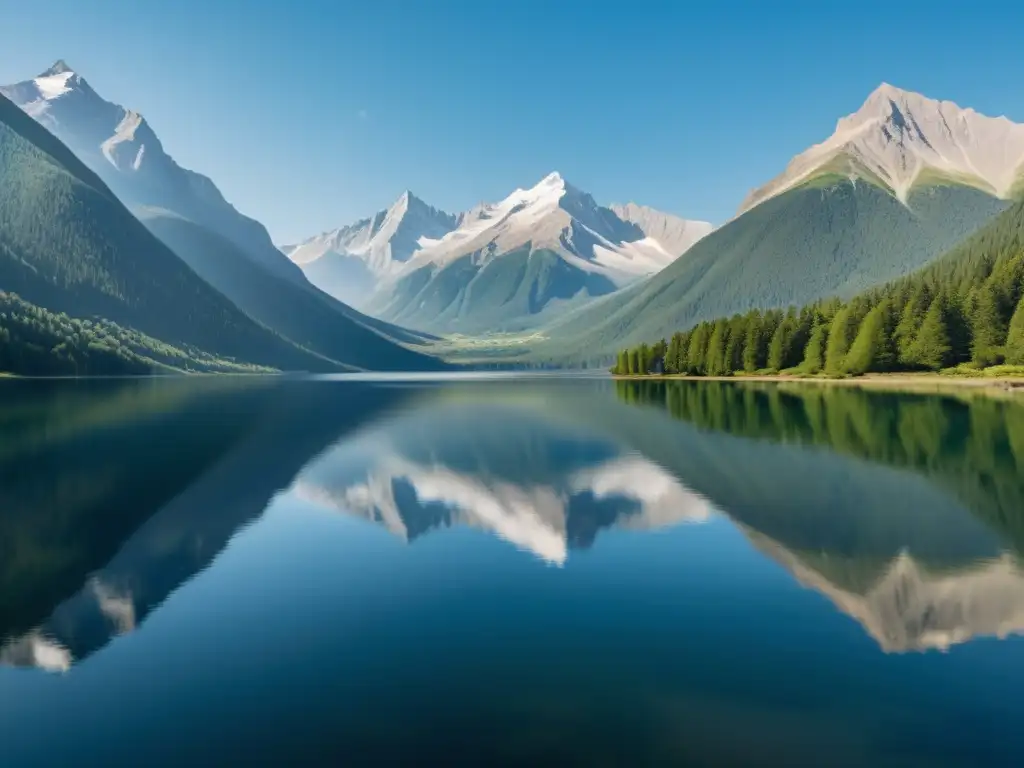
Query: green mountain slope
{"type": "Point", "coordinates": [832, 237]}
{"type": "Point", "coordinates": [299, 312]}
{"type": "Point", "coordinates": [511, 292]}
{"type": "Point", "coordinates": [963, 310]}
{"type": "Point", "coordinates": [68, 245]}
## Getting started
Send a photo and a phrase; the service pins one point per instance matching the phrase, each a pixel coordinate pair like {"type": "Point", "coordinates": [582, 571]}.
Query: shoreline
{"type": "Point", "coordinates": [904, 381]}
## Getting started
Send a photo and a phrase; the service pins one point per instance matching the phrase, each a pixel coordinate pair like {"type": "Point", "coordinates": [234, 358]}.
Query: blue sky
{"type": "Point", "coordinates": [309, 115]}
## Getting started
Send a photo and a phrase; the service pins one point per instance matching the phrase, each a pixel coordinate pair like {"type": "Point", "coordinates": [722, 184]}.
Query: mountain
{"type": "Point", "coordinates": [675, 235]}
{"type": "Point", "coordinates": [886, 194]}
{"type": "Point", "coordinates": [507, 265]}
{"type": "Point", "coordinates": [185, 210]}
{"type": "Point", "coordinates": [301, 313]}
{"type": "Point", "coordinates": [68, 245]}
{"type": "Point", "coordinates": [121, 147]}
{"type": "Point", "coordinates": [348, 263]}
{"type": "Point", "coordinates": [901, 140]}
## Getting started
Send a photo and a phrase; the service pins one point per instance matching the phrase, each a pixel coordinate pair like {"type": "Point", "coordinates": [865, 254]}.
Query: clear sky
{"type": "Point", "coordinates": [309, 115]}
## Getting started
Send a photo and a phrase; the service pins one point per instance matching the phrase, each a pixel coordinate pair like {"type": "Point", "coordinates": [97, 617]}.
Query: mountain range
{"type": "Point", "coordinates": [187, 214]}
{"type": "Point", "coordinates": [900, 182]}
{"type": "Point", "coordinates": [497, 266]}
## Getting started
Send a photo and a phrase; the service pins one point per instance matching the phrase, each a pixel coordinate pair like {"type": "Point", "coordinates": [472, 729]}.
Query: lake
{"type": "Point", "coordinates": [545, 570]}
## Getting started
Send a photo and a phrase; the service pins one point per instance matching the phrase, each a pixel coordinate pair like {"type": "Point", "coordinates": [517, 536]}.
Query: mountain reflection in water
{"type": "Point", "coordinates": [903, 511]}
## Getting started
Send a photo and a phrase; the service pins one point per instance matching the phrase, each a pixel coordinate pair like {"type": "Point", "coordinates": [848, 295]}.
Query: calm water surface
{"type": "Point", "coordinates": [531, 572]}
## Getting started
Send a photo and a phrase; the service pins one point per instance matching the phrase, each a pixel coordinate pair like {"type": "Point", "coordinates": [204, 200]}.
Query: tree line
{"type": "Point", "coordinates": [965, 310]}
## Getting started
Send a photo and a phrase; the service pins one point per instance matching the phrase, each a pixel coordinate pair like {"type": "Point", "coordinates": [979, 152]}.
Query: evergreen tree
{"type": "Point", "coordinates": [931, 348]}
{"type": "Point", "coordinates": [643, 360]}
{"type": "Point", "coordinates": [682, 364]}
{"type": "Point", "coordinates": [634, 365]}
{"type": "Point", "coordinates": [1015, 336]}
{"type": "Point", "coordinates": [873, 348]}
{"type": "Point", "coordinates": [755, 346]}
{"type": "Point", "coordinates": [840, 337]}
{"type": "Point", "coordinates": [911, 317]}
{"type": "Point", "coordinates": [734, 345]}
{"type": "Point", "coordinates": [988, 330]}
{"type": "Point", "coordinates": [672, 353]}
{"type": "Point", "coordinates": [716, 365]}
{"type": "Point", "coordinates": [697, 352]}
{"type": "Point", "coordinates": [959, 329]}
{"type": "Point", "coordinates": [814, 353]}
{"type": "Point", "coordinates": [779, 347]}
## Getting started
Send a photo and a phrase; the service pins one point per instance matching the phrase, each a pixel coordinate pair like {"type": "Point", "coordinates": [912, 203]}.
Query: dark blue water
{"type": "Point", "coordinates": [540, 571]}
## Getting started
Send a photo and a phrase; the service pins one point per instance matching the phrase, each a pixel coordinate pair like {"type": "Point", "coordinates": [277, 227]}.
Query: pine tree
{"type": "Point", "coordinates": [931, 348]}
{"type": "Point", "coordinates": [716, 349]}
{"type": "Point", "coordinates": [909, 322]}
{"type": "Point", "coordinates": [643, 359]}
{"type": "Point", "coordinates": [750, 341]}
{"type": "Point", "coordinates": [814, 353]}
{"type": "Point", "coordinates": [634, 365]}
{"type": "Point", "coordinates": [1015, 336]}
{"type": "Point", "coordinates": [734, 345]}
{"type": "Point", "coordinates": [672, 354]}
{"type": "Point", "coordinates": [873, 348]}
{"type": "Point", "coordinates": [778, 348]}
{"type": "Point", "coordinates": [840, 336]}
{"type": "Point", "coordinates": [682, 364]}
{"type": "Point", "coordinates": [988, 331]}
{"type": "Point", "coordinates": [697, 352]}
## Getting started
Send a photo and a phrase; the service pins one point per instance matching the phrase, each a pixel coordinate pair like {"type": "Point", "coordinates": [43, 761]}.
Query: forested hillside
{"type": "Point", "coordinates": [68, 245]}
{"type": "Point", "coordinates": [830, 238]}
{"type": "Point", "coordinates": [297, 311]}
{"type": "Point", "coordinates": [966, 309]}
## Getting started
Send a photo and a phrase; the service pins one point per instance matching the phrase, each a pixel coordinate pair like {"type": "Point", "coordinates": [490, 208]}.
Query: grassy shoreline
{"type": "Point", "coordinates": [905, 381]}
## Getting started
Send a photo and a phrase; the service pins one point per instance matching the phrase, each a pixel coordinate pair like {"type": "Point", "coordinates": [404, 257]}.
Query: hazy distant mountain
{"type": "Point", "coordinates": [185, 210]}
{"type": "Point", "coordinates": [675, 235]}
{"type": "Point", "coordinates": [539, 250]}
{"type": "Point", "coordinates": [350, 262]}
{"type": "Point", "coordinates": [901, 181]}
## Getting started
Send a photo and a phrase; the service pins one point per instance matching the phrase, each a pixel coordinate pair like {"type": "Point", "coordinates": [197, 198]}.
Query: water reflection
{"type": "Point", "coordinates": [532, 568]}
{"type": "Point", "coordinates": [908, 521]}
{"type": "Point", "coordinates": [543, 486]}
{"type": "Point", "coordinates": [124, 490]}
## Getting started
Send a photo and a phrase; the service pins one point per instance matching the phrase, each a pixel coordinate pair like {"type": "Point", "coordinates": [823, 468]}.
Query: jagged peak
{"type": "Point", "coordinates": [59, 67]}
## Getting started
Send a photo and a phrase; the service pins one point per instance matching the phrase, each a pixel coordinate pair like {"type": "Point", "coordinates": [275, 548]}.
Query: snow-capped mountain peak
{"type": "Point", "coordinates": [120, 146]}
{"type": "Point", "coordinates": [59, 67]}
{"type": "Point", "coordinates": [900, 139]}
{"type": "Point", "coordinates": [365, 263]}
{"type": "Point", "coordinates": [557, 216]}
